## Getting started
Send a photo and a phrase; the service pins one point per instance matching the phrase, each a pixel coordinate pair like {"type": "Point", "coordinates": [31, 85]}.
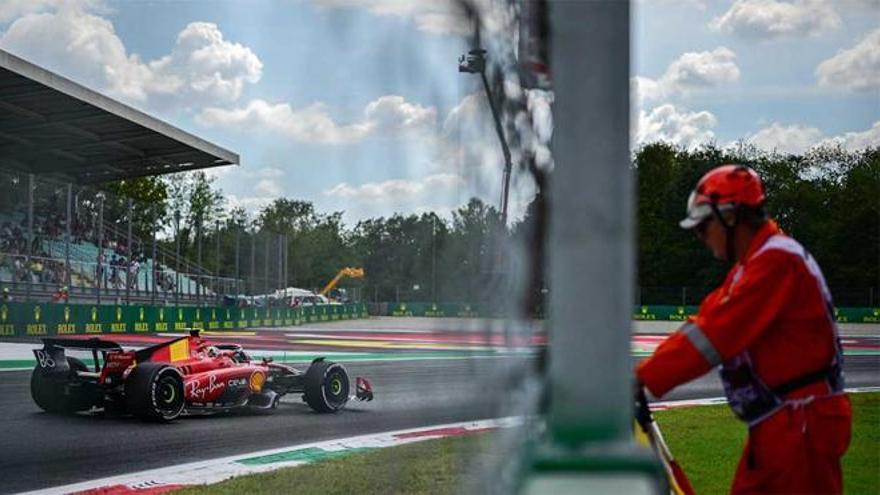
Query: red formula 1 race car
{"type": "Point", "coordinates": [186, 375]}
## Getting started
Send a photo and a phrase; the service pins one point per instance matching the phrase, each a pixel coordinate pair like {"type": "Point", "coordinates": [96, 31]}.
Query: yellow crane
{"type": "Point", "coordinates": [345, 272]}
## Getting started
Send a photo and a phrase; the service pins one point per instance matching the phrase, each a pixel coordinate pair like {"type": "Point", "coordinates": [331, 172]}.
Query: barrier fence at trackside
{"type": "Point", "coordinates": [33, 319]}
{"type": "Point", "coordinates": [644, 313]}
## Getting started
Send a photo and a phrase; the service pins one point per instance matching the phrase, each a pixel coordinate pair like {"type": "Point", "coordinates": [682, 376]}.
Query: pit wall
{"type": "Point", "coordinates": [37, 320]}
{"type": "Point", "coordinates": [640, 313]}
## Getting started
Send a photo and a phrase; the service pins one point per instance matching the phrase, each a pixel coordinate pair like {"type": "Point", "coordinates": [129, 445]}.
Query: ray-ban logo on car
{"type": "Point", "coordinates": [44, 359]}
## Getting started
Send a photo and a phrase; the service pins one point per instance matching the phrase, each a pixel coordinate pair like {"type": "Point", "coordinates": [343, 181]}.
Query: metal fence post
{"type": "Point", "coordinates": [30, 236]}
{"type": "Point", "coordinates": [266, 267]}
{"type": "Point", "coordinates": [217, 265]}
{"type": "Point", "coordinates": [199, 282]}
{"type": "Point", "coordinates": [99, 272]}
{"type": "Point", "coordinates": [129, 253]}
{"type": "Point", "coordinates": [67, 270]}
{"type": "Point", "coordinates": [592, 177]}
{"type": "Point", "coordinates": [253, 273]}
{"type": "Point", "coordinates": [237, 254]}
{"type": "Point", "coordinates": [177, 258]}
{"type": "Point", "coordinates": [155, 270]}
{"type": "Point", "coordinates": [280, 261]}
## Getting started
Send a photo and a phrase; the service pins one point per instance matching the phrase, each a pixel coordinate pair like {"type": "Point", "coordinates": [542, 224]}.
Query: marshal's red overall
{"type": "Point", "coordinates": [770, 327]}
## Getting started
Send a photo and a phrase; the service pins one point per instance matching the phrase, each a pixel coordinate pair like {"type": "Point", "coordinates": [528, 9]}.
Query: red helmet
{"type": "Point", "coordinates": [723, 188]}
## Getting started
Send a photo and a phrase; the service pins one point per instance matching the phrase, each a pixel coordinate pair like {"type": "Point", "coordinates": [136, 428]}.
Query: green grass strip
{"type": "Point", "coordinates": [430, 466]}
{"type": "Point", "coordinates": [706, 440]}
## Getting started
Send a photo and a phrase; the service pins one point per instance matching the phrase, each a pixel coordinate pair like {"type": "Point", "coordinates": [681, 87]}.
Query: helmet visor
{"type": "Point", "coordinates": [697, 213]}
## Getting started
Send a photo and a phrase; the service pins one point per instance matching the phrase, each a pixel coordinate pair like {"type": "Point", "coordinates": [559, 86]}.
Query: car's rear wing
{"type": "Point", "coordinates": [92, 343]}
{"type": "Point", "coordinates": [53, 359]}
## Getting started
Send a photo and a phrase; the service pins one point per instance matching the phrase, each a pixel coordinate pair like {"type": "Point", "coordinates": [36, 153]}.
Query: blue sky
{"type": "Point", "coordinates": [358, 106]}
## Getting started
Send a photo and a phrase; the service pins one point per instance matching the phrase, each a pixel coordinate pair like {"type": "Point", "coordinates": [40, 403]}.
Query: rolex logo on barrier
{"type": "Point", "coordinates": [213, 314]}
{"type": "Point", "coordinates": [141, 313]}
{"type": "Point", "coordinates": [118, 313]}
{"type": "Point", "coordinates": [162, 314]}
{"type": "Point", "coordinates": [94, 313]}
{"type": "Point", "coordinates": [66, 314]}
{"type": "Point", "coordinates": [179, 314]}
{"type": "Point", "coordinates": [198, 314]}
{"type": "Point", "coordinates": [4, 313]}
{"type": "Point", "coordinates": [37, 311]}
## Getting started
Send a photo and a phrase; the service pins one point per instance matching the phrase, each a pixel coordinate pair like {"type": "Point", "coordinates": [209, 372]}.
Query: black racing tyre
{"type": "Point", "coordinates": [326, 386]}
{"type": "Point", "coordinates": [55, 394]}
{"type": "Point", "coordinates": [154, 392]}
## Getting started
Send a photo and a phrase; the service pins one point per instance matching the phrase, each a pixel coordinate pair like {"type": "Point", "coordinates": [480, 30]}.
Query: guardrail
{"type": "Point", "coordinates": [39, 320]}
{"type": "Point", "coordinates": [643, 313]}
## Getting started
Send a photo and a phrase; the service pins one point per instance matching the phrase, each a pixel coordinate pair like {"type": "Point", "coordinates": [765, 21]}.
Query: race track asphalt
{"type": "Point", "coordinates": [41, 450]}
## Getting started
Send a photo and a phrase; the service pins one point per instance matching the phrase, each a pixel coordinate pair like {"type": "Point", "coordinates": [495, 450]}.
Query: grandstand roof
{"type": "Point", "coordinates": [52, 126]}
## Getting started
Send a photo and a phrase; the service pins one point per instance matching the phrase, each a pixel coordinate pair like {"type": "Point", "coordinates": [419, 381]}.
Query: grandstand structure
{"type": "Point", "coordinates": [58, 142]}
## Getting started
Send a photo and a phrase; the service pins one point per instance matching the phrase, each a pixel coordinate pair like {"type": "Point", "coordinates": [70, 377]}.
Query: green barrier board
{"type": "Point", "coordinates": [640, 313]}
{"type": "Point", "coordinates": [39, 319]}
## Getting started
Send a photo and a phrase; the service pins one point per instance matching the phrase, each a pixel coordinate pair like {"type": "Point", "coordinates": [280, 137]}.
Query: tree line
{"type": "Point", "coordinates": [828, 198]}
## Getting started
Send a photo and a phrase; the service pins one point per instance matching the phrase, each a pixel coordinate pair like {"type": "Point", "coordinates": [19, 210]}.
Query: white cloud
{"type": "Point", "coordinates": [857, 140]}
{"type": "Point", "coordinates": [251, 204]}
{"type": "Point", "coordinates": [398, 191]}
{"type": "Point", "coordinates": [13, 9]}
{"type": "Point", "coordinates": [268, 187]}
{"type": "Point", "coordinates": [766, 19]}
{"type": "Point", "coordinates": [691, 71]}
{"type": "Point", "coordinates": [793, 139]}
{"type": "Point", "coordinates": [434, 16]}
{"type": "Point", "coordinates": [270, 172]}
{"type": "Point", "coordinates": [697, 4]}
{"type": "Point", "coordinates": [666, 123]}
{"type": "Point", "coordinates": [798, 139]}
{"type": "Point", "coordinates": [202, 67]}
{"type": "Point", "coordinates": [432, 193]}
{"type": "Point", "coordinates": [388, 115]}
{"type": "Point", "coordinates": [857, 68]}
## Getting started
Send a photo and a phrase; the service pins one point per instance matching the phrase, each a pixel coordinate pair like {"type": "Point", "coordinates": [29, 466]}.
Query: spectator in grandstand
{"type": "Point", "coordinates": [21, 274]}
{"type": "Point", "coordinates": [36, 270]}
{"type": "Point", "coordinates": [134, 268]}
{"type": "Point", "coordinates": [771, 328]}
{"type": "Point", "coordinates": [99, 271]}
{"type": "Point", "coordinates": [114, 271]}
{"type": "Point", "coordinates": [61, 295]}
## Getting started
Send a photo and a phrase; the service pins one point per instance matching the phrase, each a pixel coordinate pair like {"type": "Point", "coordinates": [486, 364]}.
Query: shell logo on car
{"type": "Point", "coordinates": [257, 381]}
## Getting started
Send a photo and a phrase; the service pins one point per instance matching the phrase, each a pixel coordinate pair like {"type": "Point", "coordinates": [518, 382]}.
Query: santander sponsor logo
{"type": "Point", "coordinates": [199, 389]}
